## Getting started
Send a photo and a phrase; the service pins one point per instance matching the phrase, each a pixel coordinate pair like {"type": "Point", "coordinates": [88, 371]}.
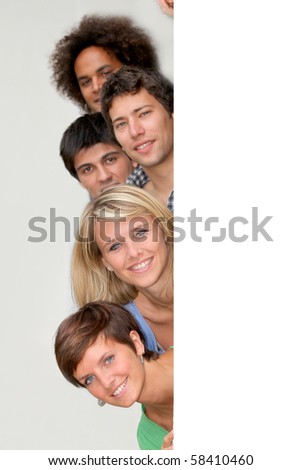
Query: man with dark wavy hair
{"type": "Point", "coordinates": [137, 105]}
{"type": "Point", "coordinates": [84, 58]}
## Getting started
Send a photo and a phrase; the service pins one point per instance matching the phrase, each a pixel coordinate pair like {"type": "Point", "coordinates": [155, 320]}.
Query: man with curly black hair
{"type": "Point", "coordinates": [83, 59]}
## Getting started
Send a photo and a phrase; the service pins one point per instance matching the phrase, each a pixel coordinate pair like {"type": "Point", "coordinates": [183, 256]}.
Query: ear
{"type": "Point", "coordinates": [139, 346]}
{"type": "Point", "coordinates": [107, 266]}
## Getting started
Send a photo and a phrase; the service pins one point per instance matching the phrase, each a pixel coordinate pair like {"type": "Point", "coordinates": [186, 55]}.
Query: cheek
{"type": "Point", "coordinates": [84, 91]}
{"type": "Point", "coordinates": [93, 391]}
{"type": "Point", "coordinates": [116, 262]}
{"type": "Point", "coordinates": [121, 137]}
{"type": "Point", "coordinates": [163, 251]}
{"type": "Point", "coordinates": [157, 241]}
{"type": "Point", "coordinates": [121, 170]}
{"type": "Point", "coordinates": [87, 181]}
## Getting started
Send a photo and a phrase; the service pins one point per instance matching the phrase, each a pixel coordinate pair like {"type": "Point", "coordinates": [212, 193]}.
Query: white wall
{"type": "Point", "coordinates": [38, 408]}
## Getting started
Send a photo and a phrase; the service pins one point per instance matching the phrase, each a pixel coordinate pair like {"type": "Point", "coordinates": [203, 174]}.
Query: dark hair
{"type": "Point", "coordinates": [130, 80]}
{"type": "Point", "coordinates": [81, 329]}
{"type": "Point", "coordinates": [85, 132]}
{"type": "Point", "coordinates": [116, 34]}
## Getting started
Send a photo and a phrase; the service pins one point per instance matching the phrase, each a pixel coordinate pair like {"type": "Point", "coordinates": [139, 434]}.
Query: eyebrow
{"type": "Point", "coordinates": [106, 155]}
{"type": "Point", "coordinates": [112, 240]}
{"type": "Point", "coordinates": [100, 69]}
{"type": "Point", "coordinates": [138, 227]}
{"type": "Point", "coordinates": [136, 110]}
{"type": "Point", "coordinates": [109, 241]}
{"type": "Point", "coordinates": [145, 224]}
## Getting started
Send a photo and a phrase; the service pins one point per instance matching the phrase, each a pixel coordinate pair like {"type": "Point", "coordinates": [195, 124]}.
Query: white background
{"type": "Point", "coordinates": [39, 409]}
{"type": "Point", "coordinates": [238, 110]}
{"type": "Point", "coordinates": [238, 120]}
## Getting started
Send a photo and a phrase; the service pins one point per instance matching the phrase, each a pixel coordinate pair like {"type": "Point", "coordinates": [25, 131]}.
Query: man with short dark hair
{"type": "Point", "coordinates": [137, 105]}
{"type": "Point", "coordinates": [92, 156]}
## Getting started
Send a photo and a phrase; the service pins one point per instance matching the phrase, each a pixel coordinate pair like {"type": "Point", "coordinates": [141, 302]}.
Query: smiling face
{"type": "Point", "coordinates": [134, 249]}
{"type": "Point", "coordinates": [112, 371]}
{"type": "Point", "coordinates": [92, 67]}
{"type": "Point", "coordinates": [102, 166]}
{"type": "Point", "coordinates": [143, 128]}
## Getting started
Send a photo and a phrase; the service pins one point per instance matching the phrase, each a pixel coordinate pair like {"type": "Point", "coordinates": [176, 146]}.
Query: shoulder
{"type": "Point", "coordinates": [132, 308]}
{"type": "Point", "coordinates": [166, 359]}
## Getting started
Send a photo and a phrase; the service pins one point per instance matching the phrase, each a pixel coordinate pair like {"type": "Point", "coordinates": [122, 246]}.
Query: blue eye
{"type": "Point", "coordinates": [89, 380]}
{"type": "Point", "coordinates": [115, 246]}
{"type": "Point", "coordinates": [109, 359]}
{"type": "Point", "coordinates": [141, 233]}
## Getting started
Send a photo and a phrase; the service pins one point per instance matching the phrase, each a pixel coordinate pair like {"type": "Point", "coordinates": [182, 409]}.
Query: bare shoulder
{"type": "Point", "coordinates": [166, 359]}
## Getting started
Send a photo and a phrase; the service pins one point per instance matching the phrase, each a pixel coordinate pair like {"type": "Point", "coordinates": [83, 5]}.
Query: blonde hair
{"type": "Point", "coordinates": [91, 280]}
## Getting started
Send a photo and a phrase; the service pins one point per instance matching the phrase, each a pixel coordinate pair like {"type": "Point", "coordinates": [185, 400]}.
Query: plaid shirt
{"type": "Point", "coordinates": [139, 178]}
{"type": "Point", "coordinates": [170, 201]}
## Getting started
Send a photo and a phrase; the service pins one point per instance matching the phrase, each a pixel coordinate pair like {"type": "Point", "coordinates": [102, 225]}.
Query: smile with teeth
{"type": "Point", "coordinates": [141, 265]}
{"type": "Point", "coordinates": [146, 144]}
{"type": "Point", "coordinates": [120, 388]}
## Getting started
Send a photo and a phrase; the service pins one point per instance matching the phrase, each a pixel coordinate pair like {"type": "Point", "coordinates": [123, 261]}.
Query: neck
{"type": "Point", "coordinates": [161, 179]}
{"type": "Point", "coordinates": [158, 399]}
{"type": "Point", "coordinates": [159, 295]}
{"type": "Point", "coordinates": [158, 313]}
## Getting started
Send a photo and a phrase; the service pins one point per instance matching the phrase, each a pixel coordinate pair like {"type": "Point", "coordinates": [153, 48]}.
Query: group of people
{"type": "Point", "coordinates": [119, 344]}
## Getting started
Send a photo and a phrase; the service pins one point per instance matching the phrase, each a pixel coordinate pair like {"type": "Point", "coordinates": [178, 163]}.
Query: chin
{"type": "Point", "coordinates": [124, 404]}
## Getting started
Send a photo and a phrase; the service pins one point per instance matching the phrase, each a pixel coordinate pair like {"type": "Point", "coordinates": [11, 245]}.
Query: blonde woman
{"type": "Point", "coordinates": [123, 254]}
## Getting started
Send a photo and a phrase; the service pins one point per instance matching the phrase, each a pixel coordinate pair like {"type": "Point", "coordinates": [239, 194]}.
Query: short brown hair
{"type": "Point", "coordinates": [81, 329]}
{"type": "Point", "coordinates": [130, 80]}
{"type": "Point", "coordinates": [83, 133]}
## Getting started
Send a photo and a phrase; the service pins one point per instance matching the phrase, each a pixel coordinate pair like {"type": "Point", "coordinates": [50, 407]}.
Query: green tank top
{"type": "Point", "coordinates": [149, 434]}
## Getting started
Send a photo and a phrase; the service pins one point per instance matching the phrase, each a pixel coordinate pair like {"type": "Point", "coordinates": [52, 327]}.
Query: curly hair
{"type": "Point", "coordinates": [116, 34]}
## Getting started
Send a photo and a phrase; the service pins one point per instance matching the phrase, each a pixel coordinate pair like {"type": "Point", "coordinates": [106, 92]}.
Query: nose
{"type": "Point", "coordinates": [106, 381]}
{"type": "Point", "coordinates": [97, 83]}
{"type": "Point", "coordinates": [103, 174]}
{"type": "Point", "coordinates": [135, 128]}
{"type": "Point", "coordinates": [133, 249]}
